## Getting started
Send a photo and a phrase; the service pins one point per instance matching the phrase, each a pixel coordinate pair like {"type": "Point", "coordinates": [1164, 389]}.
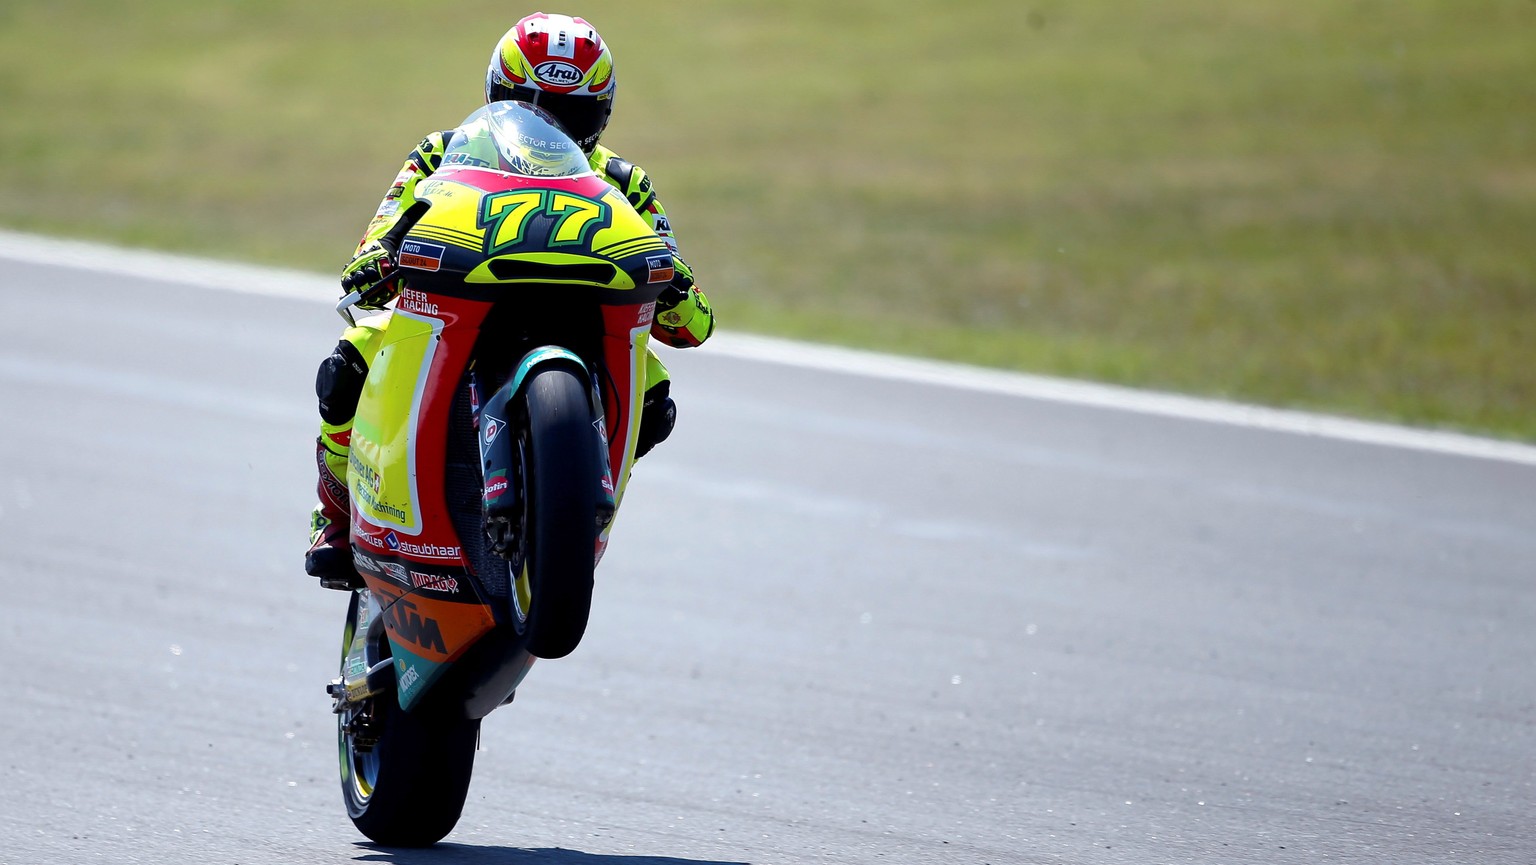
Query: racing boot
{"type": "Point", "coordinates": [329, 556]}
{"type": "Point", "coordinates": [658, 413]}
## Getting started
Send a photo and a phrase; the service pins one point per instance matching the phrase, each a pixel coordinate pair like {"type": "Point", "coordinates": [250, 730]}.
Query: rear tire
{"type": "Point", "coordinates": [409, 788]}
{"type": "Point", "coordinates": [562, 476]}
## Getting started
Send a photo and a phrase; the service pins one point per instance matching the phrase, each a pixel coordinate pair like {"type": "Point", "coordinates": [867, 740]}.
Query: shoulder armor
{"type": "Point", "coordinates": [428, 155]}
{"type": "Point", "coordinates": [631, 180]}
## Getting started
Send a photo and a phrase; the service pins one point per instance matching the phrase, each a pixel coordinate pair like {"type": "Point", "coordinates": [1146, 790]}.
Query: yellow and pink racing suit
{"type": "Point", "coordinates": [683, 319]}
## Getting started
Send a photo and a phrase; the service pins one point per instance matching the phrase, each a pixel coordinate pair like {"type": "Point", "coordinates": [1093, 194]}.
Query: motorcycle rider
{"type": "Point", "coordinates": [560, 64]}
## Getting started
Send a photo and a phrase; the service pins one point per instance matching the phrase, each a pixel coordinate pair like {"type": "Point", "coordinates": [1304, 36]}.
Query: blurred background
{"type": "Point", "coordinates": [1324, 204]}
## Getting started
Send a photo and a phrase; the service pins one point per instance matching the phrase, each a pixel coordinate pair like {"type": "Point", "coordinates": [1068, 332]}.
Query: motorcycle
{"type": "Point", "coordinates": [495, 432]}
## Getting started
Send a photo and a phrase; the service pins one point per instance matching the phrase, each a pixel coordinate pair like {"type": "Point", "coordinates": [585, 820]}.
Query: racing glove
{"type": "Point", "coordinates": [371, 272]}
{"type": "Point", "coordinates": [683, 316]}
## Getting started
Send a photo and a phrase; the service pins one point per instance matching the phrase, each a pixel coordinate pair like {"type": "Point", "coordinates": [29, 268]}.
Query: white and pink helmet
{"type": "Point", "coordinates": [559, 64]}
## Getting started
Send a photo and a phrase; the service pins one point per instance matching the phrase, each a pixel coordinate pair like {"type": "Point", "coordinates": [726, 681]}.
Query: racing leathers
{"type": "Point", "coordinates": [683, 319]}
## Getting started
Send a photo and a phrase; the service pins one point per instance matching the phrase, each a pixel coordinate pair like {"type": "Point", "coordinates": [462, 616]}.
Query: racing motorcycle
{"type": "Point", "coordinates": [488, 457]}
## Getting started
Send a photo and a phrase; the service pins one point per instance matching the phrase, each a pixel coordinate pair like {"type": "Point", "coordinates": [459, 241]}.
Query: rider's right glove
{"type": "Point", "coordinates": [371, 272]}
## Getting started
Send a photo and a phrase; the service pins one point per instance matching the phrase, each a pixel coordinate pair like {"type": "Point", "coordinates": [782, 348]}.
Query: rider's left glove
{"type": "Point", "coordinates": [371, 272]}
{"type": "Point", "coordinates": [683, 316]}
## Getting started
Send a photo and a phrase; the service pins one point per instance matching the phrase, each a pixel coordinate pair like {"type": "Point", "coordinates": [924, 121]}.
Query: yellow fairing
{"type": "Point", "coordinates": [454, 216]}
{"type": "Point", "coordinates": [572, 235]}
{"type": "Point", "coordinates": [382, 470]}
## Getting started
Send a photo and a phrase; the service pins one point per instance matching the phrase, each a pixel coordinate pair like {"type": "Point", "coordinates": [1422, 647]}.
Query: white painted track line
{"type": "Point", "coordinates": [320, 289]}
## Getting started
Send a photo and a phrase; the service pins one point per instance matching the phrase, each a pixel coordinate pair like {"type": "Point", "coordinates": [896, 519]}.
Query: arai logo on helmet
{"type": "Point", "coordinates": [557, 72]}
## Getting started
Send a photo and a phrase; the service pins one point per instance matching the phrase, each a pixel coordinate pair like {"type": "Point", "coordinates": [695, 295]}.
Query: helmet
{"type": "Point", "coordinates": [560, 64]}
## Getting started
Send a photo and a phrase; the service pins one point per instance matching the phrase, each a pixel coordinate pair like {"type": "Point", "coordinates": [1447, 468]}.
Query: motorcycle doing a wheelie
{"type": "Point", "coordinates": [488, 457]}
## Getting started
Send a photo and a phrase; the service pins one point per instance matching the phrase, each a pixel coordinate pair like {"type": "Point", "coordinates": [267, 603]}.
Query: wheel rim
{"type": "Point", "coordinates": [359, 769]}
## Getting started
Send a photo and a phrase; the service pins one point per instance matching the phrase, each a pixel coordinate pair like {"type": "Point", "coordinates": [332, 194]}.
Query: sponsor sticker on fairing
{"type": "Point", "coordinates": [493, 428]}
{"type": "Point", "coordinates": [435, 582]}
{"type": "Point", "coordinates": [395, 571]}
{"type": "Point", "coordinates": [409, 678]}
{"type": "Point", "coordinates": [412, 300]}
{"type": "Point", "coordinates": [660, 267]}
{"type": "Point", "coordinates": [424, 551]}
{"type": "Point", "coordinates": [421, 256]}
{"type": "Point", "coordinates": [496, 485]}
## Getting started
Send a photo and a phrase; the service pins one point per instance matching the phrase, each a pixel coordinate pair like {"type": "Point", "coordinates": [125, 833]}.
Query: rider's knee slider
{"type": "Point", "coordinates": [339, 383]}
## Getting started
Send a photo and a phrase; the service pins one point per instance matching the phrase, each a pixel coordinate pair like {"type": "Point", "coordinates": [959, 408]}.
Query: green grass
{"type": "Point", "coordinates": [1328, 204]}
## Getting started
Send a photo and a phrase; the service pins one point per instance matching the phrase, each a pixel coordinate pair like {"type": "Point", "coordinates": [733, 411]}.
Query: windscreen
{"type": "Point", "coordinates": [516, 138]}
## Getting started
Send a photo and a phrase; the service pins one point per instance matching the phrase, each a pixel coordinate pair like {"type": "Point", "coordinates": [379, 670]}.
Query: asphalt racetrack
{"type": "Point", "coordinates": [844, 619]}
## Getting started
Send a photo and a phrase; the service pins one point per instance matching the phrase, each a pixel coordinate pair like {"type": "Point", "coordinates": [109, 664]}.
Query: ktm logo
{"type": "Point", "coordinates": [556, 72]}
{"type": "Point", "coordinates": [412, 627]}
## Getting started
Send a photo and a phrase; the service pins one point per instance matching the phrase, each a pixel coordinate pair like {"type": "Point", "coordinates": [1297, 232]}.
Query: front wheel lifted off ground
{"type": "Point", "coordinates": [562, 477]}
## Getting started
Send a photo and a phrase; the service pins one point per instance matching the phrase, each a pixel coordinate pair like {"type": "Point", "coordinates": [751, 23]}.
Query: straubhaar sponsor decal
{"type": "Point", "coordinates": [423, 551]}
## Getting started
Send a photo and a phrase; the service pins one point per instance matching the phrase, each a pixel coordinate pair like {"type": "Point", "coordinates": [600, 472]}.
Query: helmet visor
{"type": "Point", "coordinates": [582, 117]}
